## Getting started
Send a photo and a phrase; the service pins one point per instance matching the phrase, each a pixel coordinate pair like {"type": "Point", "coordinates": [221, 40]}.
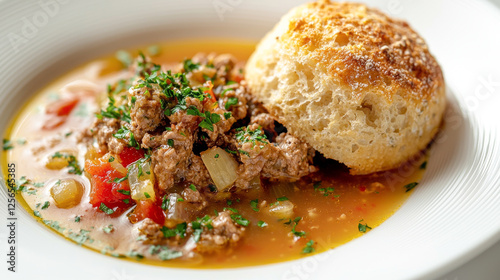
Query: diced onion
{"type": "Point", "coordinates": [282, 209]}
{"type": "Point", "coordinates": [221, 166]}
{"type": "Point", "coordinates": [141, 187]}
{"type": "Point", "coordinates": [116, 165]}
{"type": "Point", "coordinates": [59, 162]}
{"type": "Point", "coordinates": [67, 193]}
{"type": "Point", "coordinates": [174, 209]}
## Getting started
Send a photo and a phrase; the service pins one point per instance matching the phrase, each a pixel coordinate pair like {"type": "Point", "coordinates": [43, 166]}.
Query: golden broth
{"type": "Point", "coordinates": [331, 211]}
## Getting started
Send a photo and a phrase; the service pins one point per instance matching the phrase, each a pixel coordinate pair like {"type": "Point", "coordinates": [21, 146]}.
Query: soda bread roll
{"type": "Point", "coordinates": [358, 86]}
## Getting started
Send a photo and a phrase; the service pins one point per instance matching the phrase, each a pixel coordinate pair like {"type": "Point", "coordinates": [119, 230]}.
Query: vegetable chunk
{"type": "Point", "coordinates": [108, 185]}
{"type": "Point", "coordinates": [221, 166]}
{"type": "Point", "coordinates": [67, 193]}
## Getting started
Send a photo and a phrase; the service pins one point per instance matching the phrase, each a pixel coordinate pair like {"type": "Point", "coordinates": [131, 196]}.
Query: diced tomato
{"type": "Point", "coordinates": [104, 189]}
{"type": "Point", "coordinates": [57, 112]}
{"type": "Point", "coordinates": [62, 107]}
{"type": "Point", "coordinates": [147, 209]}
{"type": "Point", "coordinates": [130, 155]}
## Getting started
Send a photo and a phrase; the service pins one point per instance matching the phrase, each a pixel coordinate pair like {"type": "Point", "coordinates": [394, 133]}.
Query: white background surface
{"type": "Point", "coordinates": [74, 263]}
{"type": "Point", "coordinates": [486, 266]}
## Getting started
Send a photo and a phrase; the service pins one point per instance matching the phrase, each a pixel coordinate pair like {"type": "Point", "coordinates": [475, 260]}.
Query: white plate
{"type": "Point", "coordinates": [450, 218]}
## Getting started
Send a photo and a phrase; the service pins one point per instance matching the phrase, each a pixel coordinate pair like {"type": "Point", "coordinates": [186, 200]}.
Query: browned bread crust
{"type": "Point", "coordinates": [360, 87]}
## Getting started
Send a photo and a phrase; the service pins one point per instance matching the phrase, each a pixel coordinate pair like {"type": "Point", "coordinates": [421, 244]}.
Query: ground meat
{"type": "Point", "coordinates": [146, 113]}
{"type": "Point", "coordinates": [225, 233]}
{"type": "Point", "coordinates": [193, 196]}
{"type": "Point", "coordinates": [196, 172]}
{"type": "Point", "coordinates": [150, 232]}
{"type": "Point", "coordinates": [224, 93]}
{"type": "Point", "coordinates": [288, 160]}
{"type": "Point", "coordinates": [170, 163]}
{"type": "Point", "coordinates": [103, 131]}
{"type": "Point", "coordinates": [174, 118]}
{"type": "Point", "coordinates": [217, 67]}
{"type": "Point", "coordinates": [185, 122]}
{"type": "Point", "coordinates": [221, 127]}
{"type": "Point", "coordinates": [293, 161]}
{"type": "Point", "coordinates": [265, 121]}
{"type": "Point", "coordinates": [252, 162]}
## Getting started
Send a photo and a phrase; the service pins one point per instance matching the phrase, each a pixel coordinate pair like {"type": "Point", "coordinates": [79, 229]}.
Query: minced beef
{"type": "Point", "coordinates": [173, 118]}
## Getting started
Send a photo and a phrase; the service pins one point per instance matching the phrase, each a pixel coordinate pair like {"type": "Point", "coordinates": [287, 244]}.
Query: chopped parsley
{"type": "Point", "coordinates": [170, 142]}
{"type": "Point", "coordinates": [134, 254]}
{"type": "Point", "coordinates": [46, 205]}
{"type": "Point", "coordinates": [37, 214]}
{"type": "Point", "coordinates": [189, 65]}
{"type": "Point", "coordinates": [197, 234]}
{"type": "Point", "coordinates": [81, 237]}
{"type": "Point", "coordinates": [21, 186]}
{"type": "Point", "coordinates": [244, 153]}
{"type": "Point", "coordinates": [227, 115]}
{"type": "Point", "coordinates": [77, 219]}
{"type": "Point", "coordinates": [245, 135]}
{"type": "Point", "coordinates": [309, 248]}
{"type": "Point", "coordinates": [262, 224]}
{"type": "Point", "coordinates": [111, 159]}
{"type": "Point", "coordinates": [410, 186]}
{"type": "Point", "coordinates": [164, 253]}
{"type": "Point", "coordinates": [231, 101]}
{"type": "Point", "coordinates": [106, 209]}
{"type": "Point", "coordinates": [123, 133]}
{"type": "Point", "coordinates": [180, 230]}
{"type": "Point", "coordinates": [216, 156]}
{"type": "Point", "coordinates": [283, 198]}
{"type": "Point", "coordinates": [295, 223]}
{"type": "Point", "coordinates": [74, 167]}
{"type": "Point", "coordinates": [108, 229]}
{"type": "Point", "coordinates": [209, 119]}
{"type": "Point", "coordinates": [198, 225]}
{"type": "Point", "coordinates": [165, 202]}
{"type": "Point", "coordinates": [205, 221]}
{"type": "Point", "coordinates": [125, 192]}
{"type": "Point", "coordinates": [120, 180]}
{"type": "Point", "coordinates": [254, 204]}
{"type": "Point", "coordinates": [423, 165]}
{"type": "Point", "coordinates": [54, 224]}
{"type": "Point", "coordinates": [240, 220]}
{"type": "Point", "coordinates": [325, 191]}
{"type": "Point", "coordinates": [193, 187]}
{"type": "Point", "coordinates": [7, 145]}
{"type": "Point", "coordinates": [230, 209]}
{"type": "Point", "coordinates": [147, 195]}
{"type": "Point", "coordinates": [363, 227]}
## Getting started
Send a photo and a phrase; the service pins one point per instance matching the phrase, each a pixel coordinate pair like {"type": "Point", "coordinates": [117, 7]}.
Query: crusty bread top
{"type": "Point", "coordinates": [376, 51]}
{"type": "Point", "coordinates": [359, 87]}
